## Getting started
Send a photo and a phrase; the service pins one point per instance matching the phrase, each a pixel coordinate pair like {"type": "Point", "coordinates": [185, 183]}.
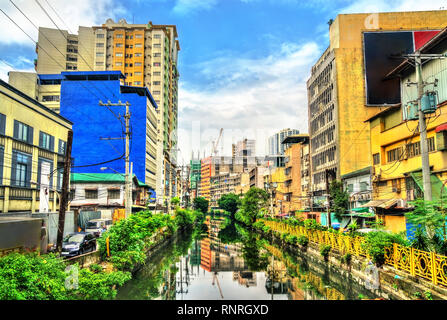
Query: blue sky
{"type": "Point", "coordinates": [243, 63]}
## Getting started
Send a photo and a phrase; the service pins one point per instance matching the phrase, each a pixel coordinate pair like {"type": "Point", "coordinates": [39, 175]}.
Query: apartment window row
{"type": "Point", "coordinates": [323, 138]}
{"type": "Point", "coordinates": [411, 150]}
{"type": "Point", "coordinates": [323, 99]}
{"type": "Point", "coordinates": [100, 45]}
{"type": "Point", "coordinates": [323, 79]}
{"type": "Point", "coordinates": [324, 157]}
{"type": "Point", "coordinates": [319, 177]}
{"type": "Point", "coordinates": [321, 120]}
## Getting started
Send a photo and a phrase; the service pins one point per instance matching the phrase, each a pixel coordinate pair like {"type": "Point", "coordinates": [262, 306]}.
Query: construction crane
{"type": "Point", "coordinates": [214, 151]}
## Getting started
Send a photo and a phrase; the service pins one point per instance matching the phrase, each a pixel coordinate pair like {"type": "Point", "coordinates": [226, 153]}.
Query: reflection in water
{"type": "Point", "coordinates": [233, 263]}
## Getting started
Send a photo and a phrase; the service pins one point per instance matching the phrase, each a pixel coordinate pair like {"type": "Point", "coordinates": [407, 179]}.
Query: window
{"type": "Point", "coordinates": [157, 45]}
{"type": "Point", "coordinates": [157, 54]}
{"type": "Point", "coordinates": [2, 123]}
{"type": "Point", "coordinates": [138, 45]}
{"type": "Point", "coordinates": [119, 45]}
{"type": "Point", "coordinates": [119, 54]}
{"type": "Point", "coordinates": [138, 36]}
{"type": "Point", "coordinates": [156, 64]}
{"type": "Point", "coordinates": [157, 36]}
{"type": "Point", "coordinates": [119, 36]}
{"type": "Point", "coordinates": [46, 141]}
{"type": "Point", "coordinates": [156, 83]}
{"type": "Point", "coordinates": [137, 82]}
{"type": "Point", "coordinates": [138, 54]}
{"type": "Point", "coordinates": [113, 194]}
{"type": "Point", "coordinates": [100, 45]}
{"type": "Point", "coordinates": [91, 193]}
{"type": "Point", "coordinates": [157, 73]}
{"type": "Point", "coordinates": [62, 147]}
{"type": "Point", "coordinates": [99, 54]}
{"type": "Point", "coordinates": [363, 186]}
{"type": "Point", "coordinates": [350, 187]}
{"type": "Point", "coordinates": [100, 35]}
{"type": "Point", "coordinates": [394, 154]}
{"type": "Point", "coordinates": [119, 64]}
{"type": "Point", "coordinates": [23, 132]}
{"type": "Point", "coordinates": [431, 144]}
{"type": "Point", "coordinates": [21, 169]}
{"type": "Point", "coordinates": [99, 63]}
{"type": "Point", "coordinates": [50, 98]}
{"type": "Point", "coordinates": [156, 92]}
{"type": "Point", "coordinates": [137, 73]}
{"type": "Point", "coordinates": [376, 158]}
{"type": "Point", "coordinates": [71, 195]}
{"type": "Point", "coordinates": [2, 152]}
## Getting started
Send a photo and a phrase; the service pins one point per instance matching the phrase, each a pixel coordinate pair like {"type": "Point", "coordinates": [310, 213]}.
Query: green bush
{"type": "Point", "coordinates": [95, 268]}
{"type": "Point", "coordinates": [33, 277]}
{"type": "Point", "coordinates": [376, 242]}
{"type": "Point", "coordinates": [292, 239]}
{"type": "Point", "coordinates": [266, 229]}
{"type": "Point", "coordinates": [303, 241]}
{"type": "Point", "coordinates": [324, 250]}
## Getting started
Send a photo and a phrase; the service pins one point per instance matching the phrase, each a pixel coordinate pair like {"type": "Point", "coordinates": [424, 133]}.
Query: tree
{"type": "Point", "coordinates": [175, 201]}
{"type": "Point", "coordinates": [253, 203]}
{"type": "Point", "coordinates": [429, 217]}
{"type": "Point", "coordinates": [340, 199]}
{"type": "Point", "coordinates": [229, 202]}
{"type": "Point", "coordinates": [201, 204]}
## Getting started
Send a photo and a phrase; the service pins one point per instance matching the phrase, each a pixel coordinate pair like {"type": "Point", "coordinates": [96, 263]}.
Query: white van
{"type": "Point", "coordinates": [97, 226]}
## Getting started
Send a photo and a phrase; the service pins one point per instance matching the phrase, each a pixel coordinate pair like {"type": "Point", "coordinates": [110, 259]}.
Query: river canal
{"type": "Point", "coordinates": [228, 262]}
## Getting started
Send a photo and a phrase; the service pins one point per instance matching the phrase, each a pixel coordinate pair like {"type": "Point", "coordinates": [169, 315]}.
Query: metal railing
{"type": "Point", "coordinates": [428, 265]}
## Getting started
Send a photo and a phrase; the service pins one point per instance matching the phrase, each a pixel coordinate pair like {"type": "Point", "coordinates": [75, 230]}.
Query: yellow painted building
{"type": "Point", "coordinates": [395, 141]}
{"type": "Point", "coordinates": [339, 136]}
{"type": "Point", "coordinates": [31, 136]}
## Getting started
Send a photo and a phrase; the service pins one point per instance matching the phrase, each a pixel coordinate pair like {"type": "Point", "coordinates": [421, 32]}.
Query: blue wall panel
{"type": "Point", "coordinates": [80, 104]}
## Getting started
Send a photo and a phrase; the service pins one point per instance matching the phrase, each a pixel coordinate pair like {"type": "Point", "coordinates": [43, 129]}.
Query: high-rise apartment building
{"type": "Point", "coordinates": [145, 53]}
{"type": "Point", "coordinates": [276, 148]}
{"type": "Point", "coordinates": [347, 87]}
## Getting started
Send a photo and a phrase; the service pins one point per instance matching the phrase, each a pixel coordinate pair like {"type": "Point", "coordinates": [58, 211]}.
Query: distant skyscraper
{"type": "Point", "coordinates": [275, 146]}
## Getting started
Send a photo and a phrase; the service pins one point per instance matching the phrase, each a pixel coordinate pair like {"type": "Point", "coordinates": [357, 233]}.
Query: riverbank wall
{"type": "Point", "coordinates": [384, 282]}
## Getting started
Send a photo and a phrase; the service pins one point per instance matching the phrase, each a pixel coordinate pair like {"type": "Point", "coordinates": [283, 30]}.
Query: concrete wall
{"type": "Point", "coordinates": [52, 223]}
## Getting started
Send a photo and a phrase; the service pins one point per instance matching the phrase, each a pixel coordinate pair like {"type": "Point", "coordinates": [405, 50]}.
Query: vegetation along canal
{"type": "Point", "coordinates": [230, 262]}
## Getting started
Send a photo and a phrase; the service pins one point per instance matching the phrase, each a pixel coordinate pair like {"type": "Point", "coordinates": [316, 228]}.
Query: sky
{"type": "Point", "coordinates": [243, 64]}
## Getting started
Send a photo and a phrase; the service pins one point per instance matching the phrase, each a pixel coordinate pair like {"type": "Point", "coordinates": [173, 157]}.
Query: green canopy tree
{"type": "Point", "coordinates": [201, 204]}
{"type": "Point", "coordinates": [229, 202]}
{"type": "Point", "coordinates": [339, 199]}
{"type": "Point", "coordinates": [253, 204]}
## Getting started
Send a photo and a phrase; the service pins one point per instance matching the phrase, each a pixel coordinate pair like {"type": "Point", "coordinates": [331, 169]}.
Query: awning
{"type": "Point", "coordinates": [442, 127]}
{"type": "Point", "coordinates": [360, 209]}
{"type": "Point", "coordinates": [385, 203]}
{"type": "Point", "coordinates": [282, 215]}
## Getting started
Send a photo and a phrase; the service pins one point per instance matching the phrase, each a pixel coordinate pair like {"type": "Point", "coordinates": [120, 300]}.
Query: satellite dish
{"type": "Point", "coordinates": [122, 21]}
{"type": "Point", "coordinates": [110, 21]}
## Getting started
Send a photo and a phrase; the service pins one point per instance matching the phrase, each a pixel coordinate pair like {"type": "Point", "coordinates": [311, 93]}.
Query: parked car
{"type": "Point", "coordinates": [97, 226]}
{"type": "Point", "coordinates": [78, 243]}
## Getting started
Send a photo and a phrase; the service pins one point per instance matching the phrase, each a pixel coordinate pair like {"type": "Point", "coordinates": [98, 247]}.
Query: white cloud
{"type": "Point", "coordinates": [187, 6]}
{"type": "Point", "coordinates": [247, 97]}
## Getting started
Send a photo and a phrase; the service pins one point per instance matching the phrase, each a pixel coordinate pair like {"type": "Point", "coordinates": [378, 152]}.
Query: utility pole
{"type": "Point", "coordinates": [127, 189]}
{"type": "Point", "coordinates": [64, 193]}
{"type": "Point", "coordinates": [417, 58]}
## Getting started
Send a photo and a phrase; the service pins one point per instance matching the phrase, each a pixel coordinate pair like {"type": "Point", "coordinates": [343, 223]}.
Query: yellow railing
{"type": "Point", "coordinates": [427, 265]}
